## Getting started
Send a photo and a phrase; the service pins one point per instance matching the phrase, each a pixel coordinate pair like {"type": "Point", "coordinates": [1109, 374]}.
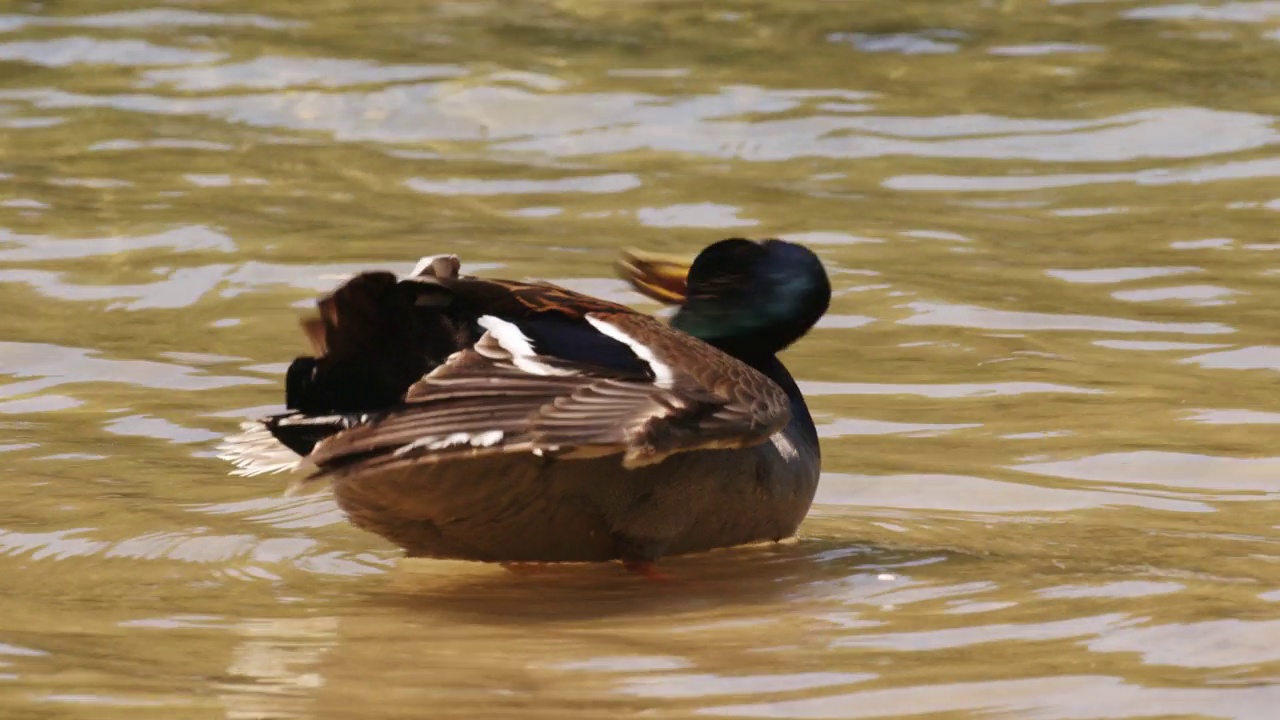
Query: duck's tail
{"type": "Point", "coordinates": [373, 338]}
{"type": "Point", "coordinates": [256, 451]}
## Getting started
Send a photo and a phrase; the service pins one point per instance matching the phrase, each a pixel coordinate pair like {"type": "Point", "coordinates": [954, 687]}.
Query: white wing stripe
{"type": "Point", "coordinates": [515, 342]}
{"type": "Point", "coordinates": [662, 374]}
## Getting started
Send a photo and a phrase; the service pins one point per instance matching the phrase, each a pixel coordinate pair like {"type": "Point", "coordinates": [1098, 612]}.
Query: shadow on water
{"type": "Point", "coordinates": [742, 578]}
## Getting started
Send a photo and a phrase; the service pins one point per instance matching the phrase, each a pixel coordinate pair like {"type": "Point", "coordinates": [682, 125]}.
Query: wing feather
{"type": "Point", "coordinates": [480, 401]}
{"type": "Point", "coordinates": [511, 368]}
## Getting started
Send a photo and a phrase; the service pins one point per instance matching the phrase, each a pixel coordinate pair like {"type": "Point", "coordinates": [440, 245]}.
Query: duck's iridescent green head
{"type": "Point", "coordinates": [740, 295]}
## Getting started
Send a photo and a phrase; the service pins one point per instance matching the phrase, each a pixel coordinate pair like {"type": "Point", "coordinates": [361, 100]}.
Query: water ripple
{"type": "Point", "coordinates": [279, 73]}
{"type": "Point", "coordinates": [1067, 697]}
{"type": "Point", "coordinates": [1042, 388]}
{"type": "Point", "coordinates": [930, 313]}
{"type": "Point", "coordinates": [70, 51]}
{"type": "Point", "coordinates": [52, 365]}
{"type": "Point", "coordinates": [192, 238]}
{"type": "Point", "coordinates": [956, 493]}
{"type": "Point", "coordinates": [167, 17]}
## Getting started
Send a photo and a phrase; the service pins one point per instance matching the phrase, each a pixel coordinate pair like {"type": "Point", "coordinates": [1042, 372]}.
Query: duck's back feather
{"type": "Point", "coordinates": [439, 367]}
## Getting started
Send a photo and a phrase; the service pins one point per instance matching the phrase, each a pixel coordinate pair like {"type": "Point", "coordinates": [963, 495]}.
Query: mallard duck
{"type": "Point", "coordinates": [506, 421]}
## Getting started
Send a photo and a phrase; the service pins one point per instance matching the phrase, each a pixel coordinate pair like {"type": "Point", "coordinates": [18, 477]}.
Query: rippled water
{"type": "Point", "coordinates": [1047, 388]}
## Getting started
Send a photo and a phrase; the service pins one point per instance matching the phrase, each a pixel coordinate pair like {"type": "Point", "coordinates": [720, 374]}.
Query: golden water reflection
{"type": "Point", "coordinates": [1045, 389]}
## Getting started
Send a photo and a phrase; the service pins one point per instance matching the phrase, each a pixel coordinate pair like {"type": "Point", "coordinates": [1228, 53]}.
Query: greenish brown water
{"type": "Point", "coordinates": [1047, 388]}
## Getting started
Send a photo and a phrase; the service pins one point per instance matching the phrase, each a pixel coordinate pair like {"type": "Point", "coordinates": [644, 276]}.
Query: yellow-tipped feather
{"type": "Point", "coordinates": [661, 277]}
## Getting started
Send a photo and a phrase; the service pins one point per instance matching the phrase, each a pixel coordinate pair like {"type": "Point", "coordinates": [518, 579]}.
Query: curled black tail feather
{"type": "Point", "coordinates": [300, 433]}
{"type": "Point", "coordinates": [379, 337]}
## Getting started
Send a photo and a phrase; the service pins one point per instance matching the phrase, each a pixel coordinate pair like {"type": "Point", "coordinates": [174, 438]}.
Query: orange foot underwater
{"type": "Point", "coordinates": [646, 569]}
{"type": "Point", "coordinates": [525, 568]}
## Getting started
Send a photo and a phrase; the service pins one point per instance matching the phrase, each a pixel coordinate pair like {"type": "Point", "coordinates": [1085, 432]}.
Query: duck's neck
{"type": "Point", "coordinates": [771, 367]}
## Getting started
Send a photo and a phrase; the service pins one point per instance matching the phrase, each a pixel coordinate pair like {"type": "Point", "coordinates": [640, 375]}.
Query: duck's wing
{"type": "Point", "coordinates": [507, 394]}
{"type": "Point", "coordinates": [485, 367]}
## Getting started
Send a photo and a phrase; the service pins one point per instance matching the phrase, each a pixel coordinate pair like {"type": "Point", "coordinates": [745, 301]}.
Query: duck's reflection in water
{"type": "Point", "coordinates": [455, 639]}
{"type": "Point", "coordinates": [742, 578]}
{"type": "Point", "coordinates": [572, 640]}
{"type": "Point", "coordinates": [275, 668]}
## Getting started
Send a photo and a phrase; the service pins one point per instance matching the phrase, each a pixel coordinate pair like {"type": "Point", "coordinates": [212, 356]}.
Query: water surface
{"type": "Point", "coordinates": [1047, 387]}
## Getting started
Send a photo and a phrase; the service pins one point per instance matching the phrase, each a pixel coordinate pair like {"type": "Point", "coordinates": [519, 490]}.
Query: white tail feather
{"type": "Point", "coordinates": [256, 452]}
